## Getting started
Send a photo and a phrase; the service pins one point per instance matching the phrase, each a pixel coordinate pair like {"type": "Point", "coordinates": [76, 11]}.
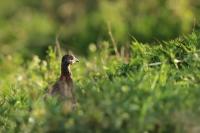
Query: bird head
{"type": "Point", "coordinates": [69, 59]}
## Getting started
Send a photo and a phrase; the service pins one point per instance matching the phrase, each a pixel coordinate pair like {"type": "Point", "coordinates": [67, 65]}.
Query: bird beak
{"type": "Point", "coordinates": [76, 60]}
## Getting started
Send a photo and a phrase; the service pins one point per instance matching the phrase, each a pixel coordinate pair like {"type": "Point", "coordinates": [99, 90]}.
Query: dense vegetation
{"type": "Point", "coordinates": [145, 89]}
{"type": "Point", "coordinates": [139, 69]}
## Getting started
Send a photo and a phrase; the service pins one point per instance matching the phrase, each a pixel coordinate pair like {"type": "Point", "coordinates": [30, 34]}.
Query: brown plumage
{"type": "Point", "coordinates": [64, 86]}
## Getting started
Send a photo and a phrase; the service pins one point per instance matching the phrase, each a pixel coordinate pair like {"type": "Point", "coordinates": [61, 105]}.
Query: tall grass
{"type": "Point", "coordinates": [154, 89]}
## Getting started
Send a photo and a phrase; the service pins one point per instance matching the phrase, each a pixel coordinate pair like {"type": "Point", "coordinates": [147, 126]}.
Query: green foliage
{"type": "Point", "coordinates": [30, 26]}
{"type": "Point", "coordinates": [157, 89]}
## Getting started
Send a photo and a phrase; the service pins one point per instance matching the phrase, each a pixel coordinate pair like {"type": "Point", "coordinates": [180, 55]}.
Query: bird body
{"type": "Point", "coordinates": [64, 86]}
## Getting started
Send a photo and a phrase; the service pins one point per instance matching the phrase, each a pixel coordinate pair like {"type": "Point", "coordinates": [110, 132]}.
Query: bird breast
{"type": "Point", "coordinates": [63, 88]}
{"type": "Point", "coordinates": [66, 89]}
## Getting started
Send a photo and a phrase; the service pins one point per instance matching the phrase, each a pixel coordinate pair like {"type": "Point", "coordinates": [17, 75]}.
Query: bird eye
{"type": "Point", "coordinates": [72, 58]}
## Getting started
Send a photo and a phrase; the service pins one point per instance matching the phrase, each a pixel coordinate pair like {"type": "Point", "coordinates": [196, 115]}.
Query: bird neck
{"type": "Point", "coordinates": [65, 72]}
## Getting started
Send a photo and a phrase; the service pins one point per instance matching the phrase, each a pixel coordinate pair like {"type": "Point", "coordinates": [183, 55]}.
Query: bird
{"type": "Point", "coordinates": [64, 87]}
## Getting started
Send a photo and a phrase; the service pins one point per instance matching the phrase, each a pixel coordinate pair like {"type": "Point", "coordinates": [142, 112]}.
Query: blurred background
{"type": "Point", "coordinates": [29, 27]}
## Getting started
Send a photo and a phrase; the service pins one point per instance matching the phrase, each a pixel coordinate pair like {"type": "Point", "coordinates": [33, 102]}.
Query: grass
{"type": "Point", "coordinates": [154, 89]}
